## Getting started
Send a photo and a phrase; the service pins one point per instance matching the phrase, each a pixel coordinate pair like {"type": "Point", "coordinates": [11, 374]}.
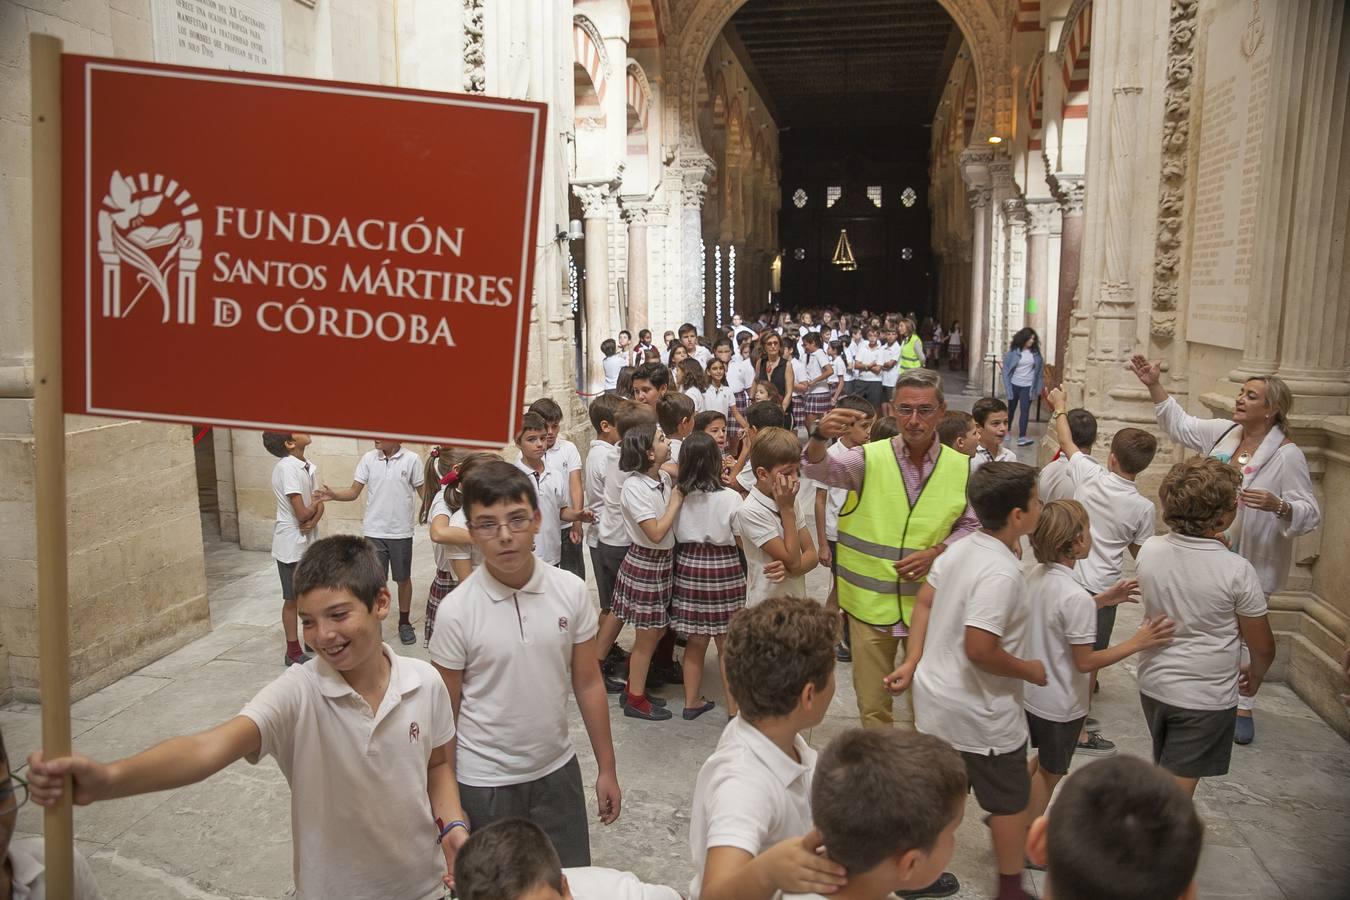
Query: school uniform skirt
{"type": "Point", "coordinates": [818, 403]}
{"type": "Point", "coordinates": [442, 584]}
{"type": "Point", "coordinates": [797, 412]}
{"type": "Point", "coordinates": [742, 400]}
{"type": "Point", "coordinates": [642, 589]}
{"type": "Point", "coordinates": [709, 588]}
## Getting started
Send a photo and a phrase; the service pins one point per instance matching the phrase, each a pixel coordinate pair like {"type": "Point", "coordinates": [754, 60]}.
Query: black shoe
{"type": "Point", "coordinates": [657, 714]}
{"type": "Point", "coordinates": [945, 886]}
{"type": "Point", "coordinates": [691, 713]}
{"type": "Point", "coordinates": [616, 655]}
{"type": "Point", "coordinates": [842, 653]}
{"type": "Point", "coordinates": [406, 634]}
{"type": "Point", "coordinates": [681, 640]}
{"type": "Point", "coordinates": [672, 674]}
{"type": "Point", "coordinates": [613, 685]}
{"type": "Point", "coordinates": [1095, 745]}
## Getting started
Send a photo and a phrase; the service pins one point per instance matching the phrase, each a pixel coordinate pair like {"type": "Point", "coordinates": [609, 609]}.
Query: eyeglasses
{"type": "Point", "coordinates": [515, 525]}
{"type": "Point", "coordinates": [906, 412]}
{"type": "Point", "coordinates": [13, 794]}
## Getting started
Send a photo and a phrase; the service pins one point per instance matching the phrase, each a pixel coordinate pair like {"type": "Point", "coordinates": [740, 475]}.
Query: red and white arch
{"type": "Point", "coordinates": [588, 71]}
{"type": "Point", "coordinates": [1077, 54]}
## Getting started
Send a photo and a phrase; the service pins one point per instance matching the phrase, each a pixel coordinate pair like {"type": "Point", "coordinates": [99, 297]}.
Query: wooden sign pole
{"type": "Point", "coordinates": [49, 440]}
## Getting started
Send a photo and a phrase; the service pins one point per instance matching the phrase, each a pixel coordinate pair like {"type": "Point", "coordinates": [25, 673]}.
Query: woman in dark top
{"type": "Point", "coordinates": [774, 368]}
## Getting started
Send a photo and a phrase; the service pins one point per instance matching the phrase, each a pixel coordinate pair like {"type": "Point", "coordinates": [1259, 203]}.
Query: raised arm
{"type": "Point", "coordinates": [340, 494]}
{"type": "Point", "coordinates": [1181, 427]}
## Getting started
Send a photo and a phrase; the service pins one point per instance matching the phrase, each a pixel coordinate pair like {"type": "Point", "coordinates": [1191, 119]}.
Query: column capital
{"type": "Point", "coordinates": [594, 199]}
{"type": "Point", "coordinates": [1041, 215]}
{"type": "Point", "coordinates": [975, 167]}
{"type": "Point", "coordinates": [636, 210]}
{"type": "Point", "coordinates": [978, 197]}
{"type": "Point", "coordinates": [1069, 191]}
{"type": "Point", "coordinates": [1015, 209]}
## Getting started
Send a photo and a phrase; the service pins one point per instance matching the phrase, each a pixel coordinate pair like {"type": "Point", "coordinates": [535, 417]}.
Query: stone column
{"type": "Point", "coordinates": [1069, 193]}
{"type": "Point", "coordinates": [1015, 271]}
{"type": "Point", "coordinates": [975, 165]}
{"type": "Point", "coordinates": [695, 171]}
{"type": "Point", "coordinates": [635, 214]}
{"type": "Point", "coordinates": [1040, 213]}
{"type": "Point", "coordinates": [595, 214]}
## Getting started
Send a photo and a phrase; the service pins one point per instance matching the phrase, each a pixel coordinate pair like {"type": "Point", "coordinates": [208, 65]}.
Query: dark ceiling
{"type": "Point", "coordinates": [850, 63]}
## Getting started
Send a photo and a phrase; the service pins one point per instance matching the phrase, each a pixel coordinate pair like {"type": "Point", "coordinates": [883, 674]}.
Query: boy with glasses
{"type": "Point", "coordinates": [511, 642]}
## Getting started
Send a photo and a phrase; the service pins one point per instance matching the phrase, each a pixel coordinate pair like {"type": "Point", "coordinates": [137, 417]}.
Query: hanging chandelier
{"type": "Point", "coordinates": [843, 253]}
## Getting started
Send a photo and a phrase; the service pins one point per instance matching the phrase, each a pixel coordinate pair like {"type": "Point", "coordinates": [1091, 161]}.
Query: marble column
{"type": "Point", "coordinates": [1040, 214]}
{"type": "Point", "coordinates": [635, 214]}
{"type": "Point", "coordinates": [595, 216]}
{"type": "Point", "coordinates": [975, 165]}
{"type": "Point", "coordinates": [1069, 193]}
{"type": "Point", "coordinates": [1014, 270]}
{"type": "Point", "coordinates": [695, 171]}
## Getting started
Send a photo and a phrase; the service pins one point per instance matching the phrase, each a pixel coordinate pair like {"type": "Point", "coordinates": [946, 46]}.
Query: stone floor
{"type": "Point", "coordinates": [1278, 826]}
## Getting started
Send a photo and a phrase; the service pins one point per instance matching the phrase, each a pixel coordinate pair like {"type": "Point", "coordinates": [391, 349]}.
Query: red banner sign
{"type": "Point", "coordinates": [296, 255]}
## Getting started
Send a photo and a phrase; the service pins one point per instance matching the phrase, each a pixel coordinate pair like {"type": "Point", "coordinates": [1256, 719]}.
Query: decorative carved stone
{"type": "Point", "coordinates": [1176, 138]}
{"type": "Point", "coordinates": [475, 60]}
{"type": "Point", "coordinates": [978, 198]}
{"type": "Point", "coordinates": [1041, 216]}
{"type": "Point", "coordinates": [594, 199]}
{"type": "Point", "coordinates": [636, 213]}
{"type": "Point", "coordinates": [1163, 325]}
{"type": "Point", "coordinates": [1069, 190]}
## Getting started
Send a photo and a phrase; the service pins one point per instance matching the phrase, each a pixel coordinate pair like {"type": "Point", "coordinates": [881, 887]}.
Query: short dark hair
{"type": "Point", "coordinates": [985, 407]}
{"type": "Point", "coordinates": [672, 409]}
{"type": "Point", "coordinates": [995, 489]}
{"type": "Point", "coordinates": [722, 340]}
{"type": "Point", "coordinates": [764, 414]}
{"type": "Point", "coordinates": [631, 414]}
{"type": "Point", "coordinates": [531, 421]}
{"type": "Point", "coordinates": [706, 418]}
{"type": "Point", "coordinates": [504, 860]}
{"type": "Point", "coordinates": [1082, 428]}
{"type": "Point", "coordinates": [776, 649]}
{"type": "Point", "coordinates": [602, 409]}
{"type": "Point", "coordinates": [1133, 448]}
{"type": "Point", "coordinates": [687, 328]}
{"type": "Point", "coordinates": [885, 428]}
{"type": "Point", "coordinates": [915, 785]}
{"type": "Point", "coordinates": [657, 374]}
{"type": "Point", "coordinates": [547, 409]}
{"type": "Point", "coordinates": [343, 562]}
{"type": "Point", "coordinates": [634, 446]}
{"type": "Point", "coordinates": [274, 442]}
{"type": "Point", "coordinates": [855, 402]}
{"type": "Point", "coordinates": [1121, 829]}
{"type": "Point", "coordinates": [811, 337]}
{"type": "Point", "coordinates": [496, 482]}
{"type": "Point", "coordinates": [954, 425]}
{"type": "Point", "coordinates": [608, 347]}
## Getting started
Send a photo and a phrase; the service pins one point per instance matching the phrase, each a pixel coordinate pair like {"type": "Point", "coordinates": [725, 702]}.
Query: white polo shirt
{"type": "Point", "coordinates": [1203, 587]}
{"type": "Point", "coordinates": [1119, 515]}
{"type": "Point", "coordinates": [749, 795]}
{"type": "Point", "coordinates": [646, 498]}
{"type": "Point", "coordinates": [758, 523]}
{"type": "Point", "coordinates": [598, 883]}
{"type": "Point", "coordinates": [867, 355]}
{"type": "Point", "coordinates": [978, 583]}
{"type": "Point", "coordinates": [1054, 482]}
{"type": "Point", "coordinates": [816, 363]}
{"type": "Point", "coordinates": [718, 399]}
{"type": "Point", "coordinates": [362, 825]}
{"type": "Point", "coordinates": [566, 458]}
{"type": "Point", "coordinates": [515, 650]}
{"type": "Point", "coordinates": [460, 519]}
{"type": "Point", "coordinates": [443, 553]}
{"type": "Point", "coordinates": [838, 369]}
{"type": "Point", "coordinates": [292, 475]}
{"type": "Point", "coordinates": [983, 456]}
{"type": "Point", "coordinates": [613, 514]}
{"type": "Point", "coordinates": [392, 483]}
{"type": "Point", "coordinates": [611, 365]}
{"type": "Point", "coordinates": [608, 526]}
{"type": "Point", "coordinates": [740, 374]}
{"type": "Point", "coordinates": [702, 354]}
{"type": "Point", "coordinates": [551, 489]}
{"type": "Point", "coordinates": [27, 863]}
{"type": "Point", "coordinates": [890, 376]}
{"type": "Point", "coordinates": [695, 395]}
{"type": "Point", "coordinates": [1060, 615]}
{"type": "Point", "coordinates": [708, 518]}
{"type": "Point", "coordinates": [675, 444]}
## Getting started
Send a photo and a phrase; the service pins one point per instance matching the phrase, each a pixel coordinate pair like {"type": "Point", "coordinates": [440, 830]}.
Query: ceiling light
{"type": "Point", "coordinates": [995, 139]}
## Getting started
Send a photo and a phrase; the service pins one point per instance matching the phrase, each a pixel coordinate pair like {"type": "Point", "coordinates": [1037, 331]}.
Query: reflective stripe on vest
{"type": "Point", "coordinates": [909, 353]}
{"type": "Point", "coordinates": [880, 527]}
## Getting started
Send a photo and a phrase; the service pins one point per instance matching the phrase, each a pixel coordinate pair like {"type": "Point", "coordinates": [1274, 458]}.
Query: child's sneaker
{"type": "Point", "coordinates": [406, 634]}
{"type": "Point", "coordinates": [1096, 745]}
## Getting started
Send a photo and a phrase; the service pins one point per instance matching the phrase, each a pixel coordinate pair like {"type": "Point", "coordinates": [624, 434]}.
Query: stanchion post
{"type": "Point", "coordinates": [49, 440]}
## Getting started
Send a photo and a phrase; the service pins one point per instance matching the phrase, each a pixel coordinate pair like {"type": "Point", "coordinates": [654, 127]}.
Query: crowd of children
{"type": "Point", "coordinates": [701, 530]}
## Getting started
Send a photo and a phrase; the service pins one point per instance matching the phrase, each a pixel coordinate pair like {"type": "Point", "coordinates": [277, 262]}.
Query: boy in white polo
{"type": "Point", "coordinates": [395, 477]}
{"type": "Point", "coordinates": [1122, 519]}
{"type": "Point", "coordinates": [563, 455]}
{"type": "Point", "coordinates": [362, 735]}
{"type": "Point", "coordinates": [551, 489]}
{"type": "Point", "coordinates": [511, 642]}
{"type": "Point", "coordinates": [299, 509]}
{"type": "Point", "coordinates": [750, 826]}
{"type": "Point", "coordinates": [772, 520]}
{"type": "Point", "coordinates": [966, 658]}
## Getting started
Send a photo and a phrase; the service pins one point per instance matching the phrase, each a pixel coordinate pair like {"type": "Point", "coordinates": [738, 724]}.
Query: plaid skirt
{"type": "Point", "coordinates": [642, 589]}
{"type": "Point", "coordinates": [442, 584]}
{"type": "Point", "coordinates": [818, 403]}
{"type": "Point", "coordinates": [797, 412]}
{"type": "Point", "coordinates": [709, 588]}
{"type": "Point", "coordinates": [734, 427]}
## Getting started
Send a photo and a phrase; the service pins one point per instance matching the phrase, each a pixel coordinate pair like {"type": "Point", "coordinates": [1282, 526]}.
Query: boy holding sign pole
{"type": "Point", "coordinates": [298, 513]}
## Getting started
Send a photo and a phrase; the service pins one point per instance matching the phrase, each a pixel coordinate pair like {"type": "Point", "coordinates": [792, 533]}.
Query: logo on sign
{"type": "Point", "coordinates": [150, 244]}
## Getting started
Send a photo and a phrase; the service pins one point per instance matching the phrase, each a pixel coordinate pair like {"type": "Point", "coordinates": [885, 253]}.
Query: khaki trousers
{"type": "Point", "coordinates": [875, 655]}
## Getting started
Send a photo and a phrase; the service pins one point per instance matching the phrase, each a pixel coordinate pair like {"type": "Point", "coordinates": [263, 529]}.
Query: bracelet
{"type": "Point", "coordinates": [449, 827]}
{"type": "Point", "coordinates": [1282, 508]}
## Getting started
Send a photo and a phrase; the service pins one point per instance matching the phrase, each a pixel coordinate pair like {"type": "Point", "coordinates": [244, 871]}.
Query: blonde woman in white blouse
{"type": "Point", "coordinates": [1276, 503]}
